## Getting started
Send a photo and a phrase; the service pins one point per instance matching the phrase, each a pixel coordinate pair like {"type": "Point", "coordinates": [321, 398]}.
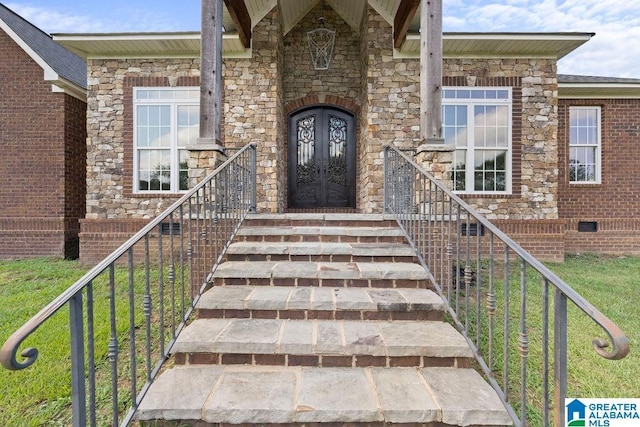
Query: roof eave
{"type": "Point", "coordinates": [147, 45]}
{"type": "Point", "coordinates": [599, 90]}
{"type": "Point", "coordinates": [499, 45]}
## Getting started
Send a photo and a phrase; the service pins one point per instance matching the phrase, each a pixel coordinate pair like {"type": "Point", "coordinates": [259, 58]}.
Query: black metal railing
{"type": "Point", "coordinates": [495, 292]}
{"type": "Point", "coordinates": [126, 313]}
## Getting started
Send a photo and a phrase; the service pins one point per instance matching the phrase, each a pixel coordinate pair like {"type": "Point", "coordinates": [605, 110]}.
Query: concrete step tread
{"type": "Point", "coordinates": [323, 337]}
{"type": "Point", "coordinates": [267, 394]}
{"type": "Point", "coordinates": [320, 230]}
{"type": "Point", "coordinates": [321, 248]}
{"type": "Point", "coordinates": [314, 298]}
{"type": "Point", "coordinates": [318, 216]}
{"type": "Point", "coordinates": [321, 270]}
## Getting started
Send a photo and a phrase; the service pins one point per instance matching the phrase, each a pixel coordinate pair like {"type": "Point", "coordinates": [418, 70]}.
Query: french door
{"type": "Point", "coordinates": [321, 159]}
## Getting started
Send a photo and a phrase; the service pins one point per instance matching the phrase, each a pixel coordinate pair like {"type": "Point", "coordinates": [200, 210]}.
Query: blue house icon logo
{"type": "Point", "coordinates": [576, 413]}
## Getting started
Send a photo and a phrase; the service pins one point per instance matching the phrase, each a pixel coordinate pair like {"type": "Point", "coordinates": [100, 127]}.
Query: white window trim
{"type": "Point", "coordinates": [471, 102]}
{"type": "Point", "coordinates": [174, 103]}
{"type": "Point", "coordinates": [598, 157]}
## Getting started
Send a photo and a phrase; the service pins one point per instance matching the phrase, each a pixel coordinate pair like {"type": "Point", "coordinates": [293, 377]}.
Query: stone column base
{"type": "Point", "coordinates": [437, 159]}
{"type": "Point", "coordinates": [204, 159]}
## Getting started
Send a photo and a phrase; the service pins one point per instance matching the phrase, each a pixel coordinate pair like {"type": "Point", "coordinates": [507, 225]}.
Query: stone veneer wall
{"type": "Point", "coordinates": [113, 211]}
{"type": "Point", "coordinates": [339, 86]}
{"type": "Point", "coordinates": [534, 132]}
{"type": "Point", "coordinates": [253, 109]}
{"type": "Point", "coordinates": [110, 132]}
{"type": "Point", "coordinates": [391, 106]}
{"type": "Point", "coordinates": [342, 79]}
{"type": "Point", "coordinates": [363, 77]}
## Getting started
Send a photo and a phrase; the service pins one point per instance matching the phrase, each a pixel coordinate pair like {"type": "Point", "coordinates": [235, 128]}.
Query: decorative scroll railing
{"type": "Point", "coordinates": [494, 291]}
{"type": "Point", "coordinates": [149, 287]}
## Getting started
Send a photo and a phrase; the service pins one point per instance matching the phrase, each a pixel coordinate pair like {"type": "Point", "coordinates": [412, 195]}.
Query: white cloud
{"type": "Point", "coordinates": [614, 51]}
{"type": "Point", "coordinates": [53, 21]}
{"type": "Point", "coordinates": [102, 17]}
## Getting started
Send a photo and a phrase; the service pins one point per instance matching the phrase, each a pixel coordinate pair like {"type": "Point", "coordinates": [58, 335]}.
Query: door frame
{"type": "Point", "coordinates": [351, 151]}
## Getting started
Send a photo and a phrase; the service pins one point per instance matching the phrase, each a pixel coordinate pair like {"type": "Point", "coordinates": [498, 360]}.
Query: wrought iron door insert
{"type": "Point", "coordinates": [321, 159]}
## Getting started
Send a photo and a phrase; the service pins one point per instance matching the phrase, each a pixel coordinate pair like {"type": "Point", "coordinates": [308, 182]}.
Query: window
{"type": "Point", "coordinates": [584, 145]}
{"type": "Point", "coordinates": [166, 120]}
{"type": "Point", "coordinates": [477, 122]}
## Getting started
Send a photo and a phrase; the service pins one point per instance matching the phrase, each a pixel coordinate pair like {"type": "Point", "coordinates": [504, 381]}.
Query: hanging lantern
{"type": "Point", "coordinates": [321, 42]}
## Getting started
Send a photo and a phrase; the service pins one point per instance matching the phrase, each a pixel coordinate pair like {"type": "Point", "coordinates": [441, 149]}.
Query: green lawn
{"type": "Point", "coordinates": [39, 395]}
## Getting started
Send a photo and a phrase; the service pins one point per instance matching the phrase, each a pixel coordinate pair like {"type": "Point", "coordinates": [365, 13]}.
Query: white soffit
{"type": "Point", "coordinates": [500, 45]}
{"type": "Point", "coordinates": [146, 45]}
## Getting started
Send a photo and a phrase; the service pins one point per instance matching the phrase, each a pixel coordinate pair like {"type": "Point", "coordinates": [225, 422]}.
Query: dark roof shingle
{"type": "Point", "coordinates": [65, 63]}
{"type": "Point", "coordinates": [572, 78]}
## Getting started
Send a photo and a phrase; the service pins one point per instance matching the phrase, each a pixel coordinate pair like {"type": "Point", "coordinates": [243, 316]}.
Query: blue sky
{"type": "Point", "coordinates": [614, 51]}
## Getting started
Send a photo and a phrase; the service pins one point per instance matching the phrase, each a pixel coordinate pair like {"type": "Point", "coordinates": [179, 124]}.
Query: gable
{"type": "Point", "coordinates": [65, 70]}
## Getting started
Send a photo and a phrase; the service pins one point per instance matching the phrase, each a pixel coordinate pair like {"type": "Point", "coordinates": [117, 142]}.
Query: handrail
{"type": "Point", "coordinates": [201, 209]}
{"type": "Point", "coordinates": [432, 217]}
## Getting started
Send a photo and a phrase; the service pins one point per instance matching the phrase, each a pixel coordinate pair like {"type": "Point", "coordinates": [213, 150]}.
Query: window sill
{"type": "Point", "coordinates": [155, 195]}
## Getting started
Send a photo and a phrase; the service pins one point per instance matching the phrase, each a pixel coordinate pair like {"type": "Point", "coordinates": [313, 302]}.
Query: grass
{"type": "Point", "coordinates": [39, 395]}
{"type": "Point", "coordinates": [609, 283]}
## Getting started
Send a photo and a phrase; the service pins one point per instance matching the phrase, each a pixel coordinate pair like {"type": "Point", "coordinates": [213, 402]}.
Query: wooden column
{"type": "Point", "coordinates": [211, 76]}
{"type": "Point", "coordinates": [431, 72]}
{"type": "Point", "coordinates": [432, 153]}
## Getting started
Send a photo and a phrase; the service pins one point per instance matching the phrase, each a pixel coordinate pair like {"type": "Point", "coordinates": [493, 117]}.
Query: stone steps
{"type": "Point", "coordinates": [320, 320]}
{"type": "Point", "coordinates": [312, 273]}
{"type": "Point", "coordinates": [256, 395]}
{"type": "Point", "coordinates": [320, 251]}
{"type": "Point", "coordinates": [334, 234]}
{"type": "Point", "coordinates": [280, 302]}
{"type": "Point", "coordinates": [321, 343]}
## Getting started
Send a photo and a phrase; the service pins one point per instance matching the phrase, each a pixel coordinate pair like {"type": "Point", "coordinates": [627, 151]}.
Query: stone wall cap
{"type": "Point", "coordinates": [434, 144]}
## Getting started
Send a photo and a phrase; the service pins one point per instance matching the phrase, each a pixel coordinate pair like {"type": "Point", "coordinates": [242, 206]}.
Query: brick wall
{"type": "Point", "coordinates": [42, 137]}
{"type": "Point", "coordinates": [614, 204]}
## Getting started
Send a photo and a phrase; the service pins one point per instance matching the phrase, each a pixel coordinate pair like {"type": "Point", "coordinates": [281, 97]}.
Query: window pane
{"type": "Point", "coordinates": [142, 115]}
{"type": "Point", "coordinates": [490, 173]}
{"type": "Point", "coordinates": [502, 137]}
{"type": "Point", "coordinates": [459, 170]}
{"type": "Point", "coordinates": [153, 169]}
{"type": "Point", "coordinates": [502, 115]}
{"type": "Point", "coordinates": [449, 114]}
{"type": "Point", "coordinates": [183, 170]}
{"type": "Point", "coordinates": [143, 180]}
{"type": "Point", "coordinates": [188, 124]}
{"type": "Point", "coordinates": [143, 137]}
{"type": "Point", "coordinates": [461, 115]}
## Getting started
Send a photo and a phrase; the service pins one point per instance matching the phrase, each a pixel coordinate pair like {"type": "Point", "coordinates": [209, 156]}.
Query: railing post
{"type": "Point", "coordinates": [386, 179]}
{"type": "Point", "coordinates": [78, 392]}
{"type": "Point", "coordinates": [560, 356]}
{"type": "Point", "coordinates": [254, 179]}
